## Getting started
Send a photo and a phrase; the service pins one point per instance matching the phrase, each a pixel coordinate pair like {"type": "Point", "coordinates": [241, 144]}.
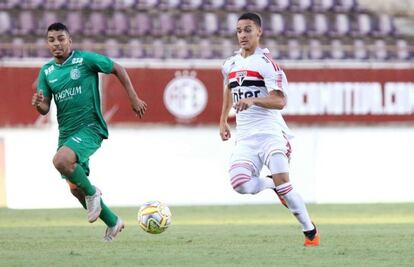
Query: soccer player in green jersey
{"type": "Point", "coordinates": [71, 78]}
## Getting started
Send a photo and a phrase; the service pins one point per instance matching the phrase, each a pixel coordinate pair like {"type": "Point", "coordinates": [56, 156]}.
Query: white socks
{"type": "Point", "coordinates": [296, 205]}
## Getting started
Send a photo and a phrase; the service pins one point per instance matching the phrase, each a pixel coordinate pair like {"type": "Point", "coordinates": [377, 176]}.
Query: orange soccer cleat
{"type": "Point", "coordinates": [312, 238]}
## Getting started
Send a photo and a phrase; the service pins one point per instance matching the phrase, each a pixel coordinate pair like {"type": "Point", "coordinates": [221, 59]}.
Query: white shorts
{"type": "Point", "coordinates": [257, 149]}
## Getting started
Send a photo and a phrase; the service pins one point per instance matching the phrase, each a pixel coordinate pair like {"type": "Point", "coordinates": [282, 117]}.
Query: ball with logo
{"type": "Point", "coordinates": [154, 217]}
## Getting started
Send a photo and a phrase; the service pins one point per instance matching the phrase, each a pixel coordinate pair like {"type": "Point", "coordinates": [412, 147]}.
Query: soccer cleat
{"type": "Point", "coordinates": [280, 198]}
{"type": "Point", "coordinates": [312, 238]}
{"type": "Point", "coordinates": [93, 205]}
{"type": "Point", "coordinates": [112, 232]}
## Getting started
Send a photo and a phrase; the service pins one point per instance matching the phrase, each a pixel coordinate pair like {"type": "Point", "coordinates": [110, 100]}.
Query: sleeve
{"type": "Point", "coordinates": [98, 63]}
{"type": "Point", "coordinates": [42, 84]}
{"type": "Point", "coordinates": [225, 73]}
{"type": "Point", "coordinates": [274, 77]}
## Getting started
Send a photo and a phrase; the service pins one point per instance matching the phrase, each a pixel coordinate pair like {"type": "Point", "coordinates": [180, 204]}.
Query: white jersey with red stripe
{"type": "Point", "coordinates": [255, 76]}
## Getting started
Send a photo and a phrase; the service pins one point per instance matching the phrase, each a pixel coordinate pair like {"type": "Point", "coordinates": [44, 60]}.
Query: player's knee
{"type": "Point", "coordinates": [63, 164]}
{"type": "Point", "coordinates": [242, 189]}
{"type": "Point", "coordinates": [240, 174]}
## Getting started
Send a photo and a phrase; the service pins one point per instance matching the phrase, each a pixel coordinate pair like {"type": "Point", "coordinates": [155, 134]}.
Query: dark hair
{"type": "Point", "coordinates": [253, 17]}
{"type": "Point", "coordinates": [57, 26]}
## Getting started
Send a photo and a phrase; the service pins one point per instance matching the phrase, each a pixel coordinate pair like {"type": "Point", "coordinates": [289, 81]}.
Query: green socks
{"type": "Point", "coordinates": [107, 216]}
{"type": "Point", "coordinates": [79, 178]}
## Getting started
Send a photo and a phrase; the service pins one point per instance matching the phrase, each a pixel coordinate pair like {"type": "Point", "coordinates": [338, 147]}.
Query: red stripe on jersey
{"type": "Point", "coordinates": [249, 73]}
{"type": "Point", "coordinates": [269, 57]}
{"type": "Point", "coordinates": [279, 83]}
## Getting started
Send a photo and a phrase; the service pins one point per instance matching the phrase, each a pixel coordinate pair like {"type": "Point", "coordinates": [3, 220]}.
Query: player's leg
{"type": "Point", "coordinates": [244, 181]}
{"type": "Point", "coordinates": [245, 168]}
{"type": "Point", "coordinates": [279, 166]}
{"type": "Point", "coordinates": [114, 223]}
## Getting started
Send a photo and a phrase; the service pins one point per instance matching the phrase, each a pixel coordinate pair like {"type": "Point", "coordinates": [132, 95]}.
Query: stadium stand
{"type": "Point", "coordinates": [293, 29]}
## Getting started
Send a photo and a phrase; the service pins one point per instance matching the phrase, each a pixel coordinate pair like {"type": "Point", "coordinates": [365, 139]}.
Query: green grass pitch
{"type": "Point", "coordinates": [248, 235]}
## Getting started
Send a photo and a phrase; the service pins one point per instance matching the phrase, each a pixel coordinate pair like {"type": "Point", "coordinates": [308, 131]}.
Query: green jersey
{"type": "Point", "coordinates": [75, 90]}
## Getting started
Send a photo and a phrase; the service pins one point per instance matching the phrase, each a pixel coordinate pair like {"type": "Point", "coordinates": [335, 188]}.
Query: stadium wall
{"type": "Point", "coordinates": [188, 165]}
{"type": "Point", "coordinates": [353, 128]}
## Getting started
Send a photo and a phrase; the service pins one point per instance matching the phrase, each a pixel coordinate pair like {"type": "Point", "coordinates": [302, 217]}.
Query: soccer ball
{"type": "Point", "coordinates": [154, 217]}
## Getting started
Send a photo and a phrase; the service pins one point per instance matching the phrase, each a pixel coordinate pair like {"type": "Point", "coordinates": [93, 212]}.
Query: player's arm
{"type": "Point", "coordinates": [138, 105]}
{"type": "Point", "coordinates": [41, 102]}
{"type": "Point", "coordinates": [275, 100]}
{"type": "Point", "coordinates": [227, 104]}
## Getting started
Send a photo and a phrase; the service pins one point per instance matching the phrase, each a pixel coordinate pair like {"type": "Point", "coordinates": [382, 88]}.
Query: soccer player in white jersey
{"type": "Point", "coordinates": [256, 87]}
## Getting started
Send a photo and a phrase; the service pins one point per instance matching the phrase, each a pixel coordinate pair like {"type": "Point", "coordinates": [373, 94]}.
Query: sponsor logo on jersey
{"type": "Point", "coordinates": [75, 74]}
{"type": "Point", "coordinates": [185, 96]}
{"type": "Point", "coordinates": [244, 93]}
{"type": "Point", "coordinates": [77, 60]}
{"type": "Point", "coordinates": [49, 70]}
{"type": "Point", "coordinates": [67, 94]}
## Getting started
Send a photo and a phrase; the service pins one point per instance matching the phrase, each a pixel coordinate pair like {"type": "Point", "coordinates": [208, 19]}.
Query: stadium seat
{"type": "Point", "coordinates": [360, 51]}
{"type": "Point", "coordinates": [40, 48]}
{"type": "Point", "coordinates": [134, 49]}
{"type": "Point", "coordinates": [157, 49]}
{"type": "Point", "coordinates": [337, 50]}
{"type": "Point", "coordinates": [113, 48]}
{"type": "Point", "coordinates": [191, 5]}
{"type": "Point", "coordinates": [294, 49]}
{"type": "Point", "coordinates": [45, 20]}
{"type": "Point", "coordinates": [226, 48]}
{"type": "Point", "coordinates": [124, 4]}
{"type": "Point", "coordinates": [341, 25]}
{"type": "Point", "coordinates": [118, 24]}
{"type": "Point", "coordinates": [146, 4]}
{"type": "Point", "coordinates": [31, 4]}
{"type": "Point", "coordinates": [75, 22]}
{"type": "Point", "coordinates": [5, 23]}
{"type": "Point", "coordinates": [363, 25]}
{"type": "Point", "coordinates": [10, 4]}
{"type": "Point", "coordinates": [298, 25]}
{"type": "Point", "coordinates": [18, 48]}
{"type": "Point", "coordinates": [54, 4]}
{"type": "Point", "coordinates": [78, 4]}
{"type": "Point", "coordinates": [316, 50]}
{"type": "Point", "coordinates": [181, 49]}
{"type": "Point", "coordinates": [301, 5]}
{"type": "Point", "coordinates": [209, 24]}
{"type": "Point", "coordinates": [96, 24]}
{"type": "Point", "coordinates": [345, 5]}
{"type": "Point", "coordinates": [403, 50]}
{"type": "Point", "coordinates": [323, 5]}
{"type": "Point", "coordinates": [279, 5]}
{"type": "Point", "coordinates": [319, 25]}
{"type": "Point", "coordinates": [258, 5]}
{"type": "Point", "coordinates": [140, 25]}
{"type": "Point", "coordinates": [169, 4]}
{"type": "Point", "coordinates": [164, 24]}
{"type": "Point", "coordinates": [26, 23]}
{"type": "Point", "coordinates": [380, 50]}
{"type": "Point", "coordinates": [384, 26]}
{"type": "Point", "coordinates": [276, 25]}
{"type": "Point", "coordinates": [187, 24]}
{"type": "Point", "coordinates": [101, 4]}
{"type": "Point", "coordinates": [205, 49]}
{"type": "Point", "coordinates": [235, 5]}
{"type": "Point", "coordinates": [213, 5]}
{"type": "Point", "coordinates": [228, 28]}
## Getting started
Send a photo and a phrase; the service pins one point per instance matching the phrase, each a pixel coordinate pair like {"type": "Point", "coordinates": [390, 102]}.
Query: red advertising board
{"type": "Point", "coordinates": [194, 96]}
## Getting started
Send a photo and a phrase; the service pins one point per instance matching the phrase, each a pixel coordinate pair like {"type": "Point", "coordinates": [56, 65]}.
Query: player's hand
{"type": "Point", "coordinates": [37, 98]}
{"type": "Point", "coordinates": [243, 104]}
{"type": "Point", "coordinates": [139, 107]}
{"type": "Point", "coordinates": [225, 133]}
